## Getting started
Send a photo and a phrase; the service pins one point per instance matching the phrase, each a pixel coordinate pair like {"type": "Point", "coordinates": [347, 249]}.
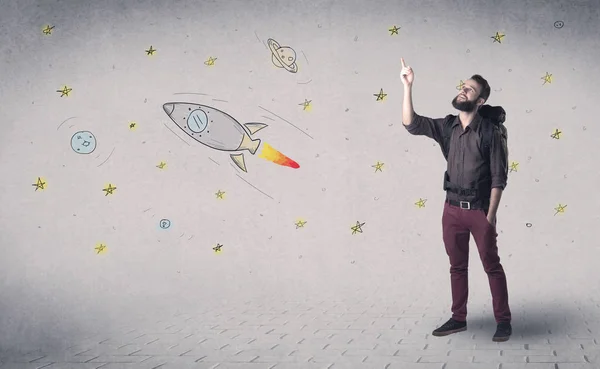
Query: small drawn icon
{"type": "Point", "coordinates": [300, 223]}
{"type": "Point", "coordinates": [220, 131]}
{"type": "Point", "coordinates": [164, 223]}
{"type": "Point", "coordinates": [47, 30]}
{"type": "Point", "coordinates": [559, 24]}
{"type": "Point", "coordinates": [460, 85]}
{"type": "Point", "coordinates": [100, 248]}
{"type": "Point", "coordinates": [560, 209]}
{"type": "Point", "coordinates": [40, 184]}
{"type": "Point", "coordinates": [528, 225]}
{"type": "Point", "coordinates": [218, 248]}
{"type": "Point", "coordinates": [161, 165]}
{"type": "Point", "coordinates": [150, 51]}
{"type": "Point", "coordinates": [110, 189]}
{"type": "Point", "coordinates": [377, 166]}
{"type": "Point", "coordinates": [220, 194]}
{"type": "Point", "coordinates": [380, 96]}
{"type": "Point", "coordinates": [65, 91]}
{"type": "Point", "coordinates": [132, 126]}
{"type": "Point", "coordinates": [421, 203]}
{"type": "Point", "coordinates": [498, 37]}
{"type": "Point", "coordinates": [357, 228]}
{"type": "Point", "coordinates": [547, 78]}
{"type": "Point", "coordinates": [210, 62]}
{"type": "Point", "coordinates": [282, 56]}
{"type": "Point", "coordinates": [306, 105]}
{"type": "Point", "coordinates": [394, 30]}
{"type": "Point", "coordinates": [514, 166]}
{"type": "Point", "coordinates": [83, 142]}
{"type": "Point", "coordinates": [556, 134]}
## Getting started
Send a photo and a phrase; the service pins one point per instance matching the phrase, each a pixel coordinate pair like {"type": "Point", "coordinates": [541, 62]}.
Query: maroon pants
{"type": "Point", "coordinates": [458, 224]}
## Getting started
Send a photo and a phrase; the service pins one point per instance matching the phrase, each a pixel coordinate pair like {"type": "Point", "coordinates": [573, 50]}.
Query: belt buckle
{"type": "Point", "coordinates": [468, 207]}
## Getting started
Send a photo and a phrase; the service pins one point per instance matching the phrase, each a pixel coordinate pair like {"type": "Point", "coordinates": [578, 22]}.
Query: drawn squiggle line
{"type": "Point", "coordinates": [288, 122]}
{"type": "Point", "coordinates": [64, 122]}
{"type": "Point", "coordinates": [255, 187]}
{"type": "Point", "coordinates": [176, 134]}
{"type": "Point", "coordinates": [304, 83]}
{"type": "Point", "coordinates": [113, 150]}
{"type": "Point", "coordinates": [213, 161]}
{"type": "Point", "coordinates": [219, 100]}
{"type": "Point", "coordinates": [305, 58]}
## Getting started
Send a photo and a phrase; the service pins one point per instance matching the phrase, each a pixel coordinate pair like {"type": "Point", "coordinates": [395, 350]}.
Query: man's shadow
{"type": "Point", "coordinates": [532, 323]}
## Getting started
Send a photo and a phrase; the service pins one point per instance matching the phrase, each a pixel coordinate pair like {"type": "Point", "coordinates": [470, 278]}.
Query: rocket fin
{"type": "Point", "coordinates": [249, 144]}
{"type": "Point", "coordinates": [238, 159]}
{"type": "Point", "coordinates": [255, 127]}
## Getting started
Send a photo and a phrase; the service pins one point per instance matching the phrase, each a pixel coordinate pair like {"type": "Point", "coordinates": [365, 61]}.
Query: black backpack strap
{"type": "Point", "coordinates": [447, 134]}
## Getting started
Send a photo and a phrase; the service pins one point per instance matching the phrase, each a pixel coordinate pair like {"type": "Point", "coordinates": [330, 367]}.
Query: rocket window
{"type": "Point", "coordinates": [197, 121]}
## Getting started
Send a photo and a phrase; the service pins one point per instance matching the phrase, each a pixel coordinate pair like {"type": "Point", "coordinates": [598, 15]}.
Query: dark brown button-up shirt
{"type": "Point", "coordinates": [466, 166]}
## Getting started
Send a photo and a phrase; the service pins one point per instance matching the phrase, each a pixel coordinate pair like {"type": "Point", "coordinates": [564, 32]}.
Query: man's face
{"type": "Point", "coordinates": [466, 100]}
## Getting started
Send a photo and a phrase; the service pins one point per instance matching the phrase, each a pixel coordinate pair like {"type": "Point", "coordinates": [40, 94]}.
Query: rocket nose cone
{"type": "Point", "coordinates": [169, 107]}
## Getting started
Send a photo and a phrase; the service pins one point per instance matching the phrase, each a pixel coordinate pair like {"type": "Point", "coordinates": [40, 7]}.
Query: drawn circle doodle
{"type": "Point", "coordinates": [83, 142]}
{"type": "Point", "coordinates": [584, 128]}
{"type": "Point", "coordinates": [468, 51]}
{"type": "Point", "coordinates": [323, 189]}
{"type": "Point", "coordinates": [528, 225]}
{"type": "Point", "coordinates": [559, 24]}
{"type": "Point", "coordinates": [510, 70]}
{"type": "Point", "coordinates": [375, 198]}
{"type": "Point", "coordinates": [164, 223]}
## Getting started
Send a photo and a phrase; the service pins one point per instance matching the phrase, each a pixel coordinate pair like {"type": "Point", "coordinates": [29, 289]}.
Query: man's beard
{"type": "Point", "coordinates": [464, 105]}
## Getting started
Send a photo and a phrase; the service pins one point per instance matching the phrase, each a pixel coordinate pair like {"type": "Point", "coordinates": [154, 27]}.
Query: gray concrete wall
{"type": "Point", "coordinates": [54, 285]}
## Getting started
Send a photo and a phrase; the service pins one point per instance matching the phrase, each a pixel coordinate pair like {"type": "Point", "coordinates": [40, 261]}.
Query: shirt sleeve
{"type": "Point", "coordinates": [498, 161]}
{"type": "Point", "coordinates": [425, 126]}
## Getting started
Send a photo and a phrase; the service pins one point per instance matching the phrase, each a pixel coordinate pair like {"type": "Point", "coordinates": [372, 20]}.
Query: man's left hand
{"type": "Point", "coordinates": [491, 218]}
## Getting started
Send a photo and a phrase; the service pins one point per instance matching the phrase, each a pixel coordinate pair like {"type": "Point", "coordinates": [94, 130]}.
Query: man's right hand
{"type": "Point", "coordinates": [406, 74]}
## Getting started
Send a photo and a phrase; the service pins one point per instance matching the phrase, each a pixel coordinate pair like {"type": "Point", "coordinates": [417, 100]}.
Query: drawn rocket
{"type": "Point", "coordinates": [215, 129]}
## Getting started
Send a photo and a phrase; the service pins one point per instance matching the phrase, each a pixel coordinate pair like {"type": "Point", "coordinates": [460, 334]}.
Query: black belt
{"type": "Point", "coordinates": [468, 205]}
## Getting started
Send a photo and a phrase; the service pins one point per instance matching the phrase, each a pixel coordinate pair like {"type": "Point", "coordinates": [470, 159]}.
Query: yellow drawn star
{"type": "Point", "coordinates": [150, 51]}
{"type": "Point", "coordinates": [100, 248]}
{"type": "Point", "coordinates": [65, 91]}
{"type": "Point", "coordinates": [377, 167]}
{"type": "Point", "coordinates": [220, 194]}
{"type": "Point", "coordinates": [132, 126]}
{"type": "Point", "coordinates": [109, 189]}
{"type": "Point", "coordinates": [556, 134]}
{"type": "Point", "coordinates": [47, 30]}
{"type": "Point", "coordinates": [461, 84]}
{"type": "Point", "coordinates": [300, 223]}
{"type": "Point", "coordinates": [380, 95]}
{"type": "Point", "coordinates": [306, 105]}
{"type": "Point", "coordinates": [394, 30]}
{"type": "Point", "coordinates": [161, 165]}
{"type": "Point", "coordinates": [547, 78]}
{"type": "Point", "coordinates": [40, 184]}
{"type": "Point", "coordinates": [421, 203]}
{"type": "Point", "coordinates": [217, 248]}
{"type": "Point", "coordinates": [210, 62]}
{"type": "Point", "coordinates": [560, 209]}
{"type": "Point", "coordinates": [498, 37]}
{"type": "Point", "coordinates": [514, 166]}
{"type": "Point", "coordinates": [357, 227]}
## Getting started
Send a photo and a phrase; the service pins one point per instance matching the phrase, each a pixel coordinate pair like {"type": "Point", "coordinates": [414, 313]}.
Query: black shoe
{"type": "Point", "coordinates": [451, 326]}
{"type": "Point", "coordinates": [503, 332]}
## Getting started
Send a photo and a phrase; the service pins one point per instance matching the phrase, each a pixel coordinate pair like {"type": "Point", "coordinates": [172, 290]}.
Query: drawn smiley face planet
{"type": "Point", "coordinates": [83, 142]}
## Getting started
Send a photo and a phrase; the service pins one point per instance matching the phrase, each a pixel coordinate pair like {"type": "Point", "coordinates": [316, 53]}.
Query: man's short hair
{"type": "Point", "coordinates": [485, 87]}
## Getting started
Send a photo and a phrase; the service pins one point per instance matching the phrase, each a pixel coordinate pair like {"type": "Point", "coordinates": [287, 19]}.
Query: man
{"type": "Point", "coordinates": [467, 212]}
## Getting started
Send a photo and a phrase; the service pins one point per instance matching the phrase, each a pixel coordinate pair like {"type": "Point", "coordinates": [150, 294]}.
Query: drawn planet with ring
{"type": "Point", "coordinates": [283, 56]}
{"type": "Point", "coordinates": [83, 142]}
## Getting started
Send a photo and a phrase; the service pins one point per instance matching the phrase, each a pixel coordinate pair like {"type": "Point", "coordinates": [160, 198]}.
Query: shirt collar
{"type": "Point", "coordinates": [473, 125]}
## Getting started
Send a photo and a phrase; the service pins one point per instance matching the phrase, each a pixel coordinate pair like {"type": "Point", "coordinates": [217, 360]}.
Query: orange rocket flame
{"type": "Point", "coordinates": [270, 154]}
